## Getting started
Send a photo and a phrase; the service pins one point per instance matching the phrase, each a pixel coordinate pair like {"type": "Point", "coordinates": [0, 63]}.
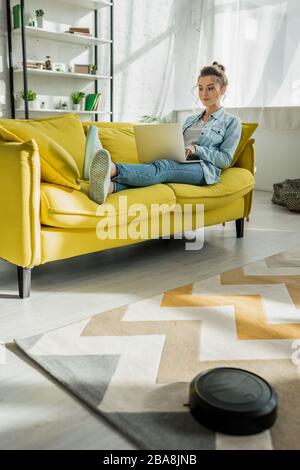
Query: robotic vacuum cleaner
{"type": "Point", "coordinates": [232, 401]}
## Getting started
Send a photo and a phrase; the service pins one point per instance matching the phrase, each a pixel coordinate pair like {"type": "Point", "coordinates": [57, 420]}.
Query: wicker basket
{"type": "Point", "coordinates": [287, 194]}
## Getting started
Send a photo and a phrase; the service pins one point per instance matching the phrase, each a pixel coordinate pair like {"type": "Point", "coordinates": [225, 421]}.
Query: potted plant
{"type": "Point", "coordinates": [155, 119]}
{"type": "Point", "coordinates": [42, 104]}
{"type": "Point", "coordinates": [93, 69]}
{"type": "Point", "coordinates": [40, 18]}
{"type": "Point", "coordinates": [76, 99]}
{"type": "Point", "coordinates": [31, 97]}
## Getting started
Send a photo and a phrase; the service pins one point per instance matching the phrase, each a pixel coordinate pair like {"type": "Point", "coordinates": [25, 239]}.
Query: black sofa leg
{"type": "Point", "coordinates": [239, 223]}
{"type": "Point", "coordinates": [24, 282]}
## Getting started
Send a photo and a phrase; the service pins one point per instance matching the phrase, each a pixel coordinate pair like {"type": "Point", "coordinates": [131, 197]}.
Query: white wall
{"type": "Point", "coordinates": [4, 83]}
{"type": "Point", "coordinates": [144, 58]}
{"type": "Point", "coordinates": [277, 157]}
{"type": "Point", "coordinates": [187, 19]}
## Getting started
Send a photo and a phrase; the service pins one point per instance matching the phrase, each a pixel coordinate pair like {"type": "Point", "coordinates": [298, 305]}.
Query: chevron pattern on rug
{"type": "Point", "coordinates": [133, 364]}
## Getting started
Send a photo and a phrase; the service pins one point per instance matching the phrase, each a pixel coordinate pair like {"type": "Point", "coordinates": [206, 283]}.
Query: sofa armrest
{"type": "Point", "coordinates": [247, 157]}
{"type": "Point", "coordinates": [247, 160]}
{"type": "Point", "coordinates": [20, 232]}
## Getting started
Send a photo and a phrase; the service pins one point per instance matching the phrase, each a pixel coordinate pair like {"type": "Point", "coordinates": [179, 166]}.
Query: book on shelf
{"type": "Point", "coordinates": [98, 102]}
{"type": "Point", "coordinates": [34, 61]}
{"type": "Point", "coordinates": [92, 101]}
{"type": "Point", "coordinates": [30, 64]}
{"type": "Point", "coordinates": [81, 68]}
{"type": "Point", "coordinates": [78, 30]}
{"type": "Point", "coordinates": [17, 16]}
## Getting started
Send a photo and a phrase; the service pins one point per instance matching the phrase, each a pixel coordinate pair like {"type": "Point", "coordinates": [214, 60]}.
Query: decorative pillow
{"type": "Point", "coordinates": [67, 130]}
{"type": "Point", "coordinates": [55, 137]}
{"type": "Point", "coordinates": [92, 146]}
{"type": "Point", "coordinates": [118, 138]}
{"type": "Point", "coordinates": [248, 129]}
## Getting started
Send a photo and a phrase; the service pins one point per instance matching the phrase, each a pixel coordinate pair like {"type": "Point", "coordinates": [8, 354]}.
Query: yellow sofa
{"type": "Point", "coordinates": [46, 214]}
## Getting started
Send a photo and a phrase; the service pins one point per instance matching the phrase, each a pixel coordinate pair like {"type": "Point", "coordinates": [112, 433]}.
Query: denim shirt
{"type": "Point", "coordinates": [217, 142]}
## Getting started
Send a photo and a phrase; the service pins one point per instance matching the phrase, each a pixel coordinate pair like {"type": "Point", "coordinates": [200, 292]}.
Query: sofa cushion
{"type": "Point", "coordinates": [69, 208]}
{"type": "Point", "coordinates": [59, 139]}
{"type": "Point", "coordinates": [234, 183]}
{"type": "Point", "coordinates": [118, 138]}
{"type": "Point", "coordinates": [248, 129]}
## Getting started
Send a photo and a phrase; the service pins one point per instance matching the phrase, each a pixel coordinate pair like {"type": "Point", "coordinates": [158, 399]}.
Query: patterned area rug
{"type": "Point", "coordinates": [133, 364]}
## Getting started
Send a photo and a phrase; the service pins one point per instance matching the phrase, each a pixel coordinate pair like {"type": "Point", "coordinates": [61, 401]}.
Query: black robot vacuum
{"type": "Point", "coordinates": [233, 401]}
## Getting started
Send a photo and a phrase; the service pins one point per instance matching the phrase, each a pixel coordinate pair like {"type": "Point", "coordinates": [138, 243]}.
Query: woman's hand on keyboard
{"type": "Point", "coordinates": [190, 150]}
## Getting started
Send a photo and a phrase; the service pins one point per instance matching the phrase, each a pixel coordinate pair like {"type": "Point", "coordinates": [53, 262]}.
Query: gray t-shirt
{"type": "Point", "coordinates": [191, 135]}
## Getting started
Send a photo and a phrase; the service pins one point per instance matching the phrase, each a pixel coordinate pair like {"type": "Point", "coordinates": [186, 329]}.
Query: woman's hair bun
{"type": "Point", "coordinates": [220, 66]}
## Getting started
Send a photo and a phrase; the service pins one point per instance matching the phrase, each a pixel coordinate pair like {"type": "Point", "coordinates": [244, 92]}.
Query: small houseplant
{"type": "Point", "coordinates": [31, 97]}
{"type": "Point", "coordinates": [154, 119]}
{"type": "Point", "coordinates": [40, 18]}
{"type": "Point", "coordinates": [93, 69]}
{"type": "Point", "coordinates": [76, 99]}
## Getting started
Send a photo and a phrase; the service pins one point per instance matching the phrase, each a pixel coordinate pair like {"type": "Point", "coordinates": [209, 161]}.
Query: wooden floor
{"type": "Point", "coordinates": [37, 413]}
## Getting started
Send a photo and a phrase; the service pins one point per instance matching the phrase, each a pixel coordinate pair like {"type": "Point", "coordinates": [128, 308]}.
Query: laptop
{"type": "Point", "coordinates": [158, 141]}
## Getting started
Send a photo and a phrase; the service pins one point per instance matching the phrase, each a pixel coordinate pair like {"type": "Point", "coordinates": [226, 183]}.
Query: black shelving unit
{"type": "Point", "coordinates": [24, 58]}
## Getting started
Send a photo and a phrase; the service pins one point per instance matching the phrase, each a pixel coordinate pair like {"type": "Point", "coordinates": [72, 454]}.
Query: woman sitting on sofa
{"type": "Point", "coordinates": [221, 133]}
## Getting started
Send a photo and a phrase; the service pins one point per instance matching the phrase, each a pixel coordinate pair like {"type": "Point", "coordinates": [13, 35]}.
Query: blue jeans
{"type": "Point", "coordinates": [160, 171]}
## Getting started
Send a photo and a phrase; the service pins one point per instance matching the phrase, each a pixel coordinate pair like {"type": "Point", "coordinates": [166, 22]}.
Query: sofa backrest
{"type": "Point", "coordinates": [118, 138]}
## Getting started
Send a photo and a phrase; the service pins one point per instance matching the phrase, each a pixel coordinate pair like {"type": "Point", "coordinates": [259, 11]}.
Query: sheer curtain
{"type": "Point", "coordinates": [259, 43]}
